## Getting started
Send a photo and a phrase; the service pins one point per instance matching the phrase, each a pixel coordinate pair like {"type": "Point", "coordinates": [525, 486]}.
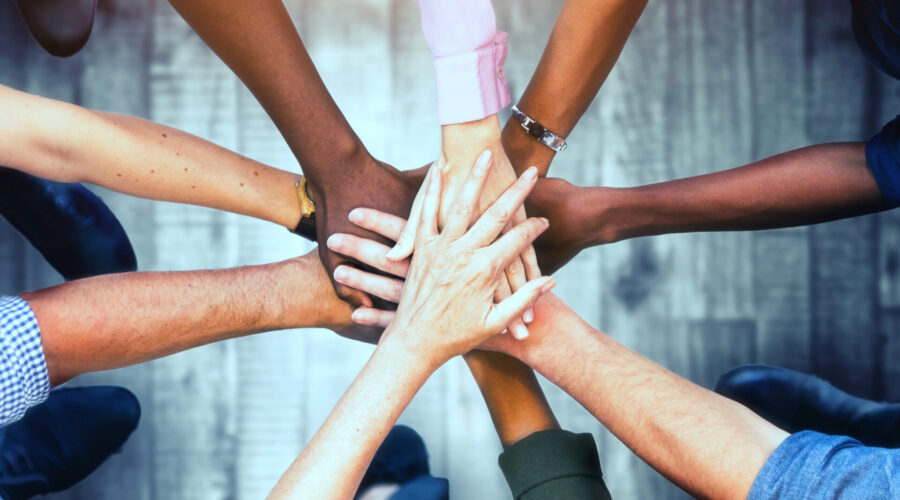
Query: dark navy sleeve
{"type": "Point", "coordinates": [813, 465]}
{"type": "Point", "coordinates": [883, 157]}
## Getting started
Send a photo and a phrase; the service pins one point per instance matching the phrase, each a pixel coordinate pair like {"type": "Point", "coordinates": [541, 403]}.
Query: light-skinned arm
{"type": "Point", "coordinates": [118, 320]}
{"type": "Point", "coordinates": [708, 445]}
{"type": "Point", "coordinates": [446, 308]}
{"type": "Point", "coordinates": [67, 143]}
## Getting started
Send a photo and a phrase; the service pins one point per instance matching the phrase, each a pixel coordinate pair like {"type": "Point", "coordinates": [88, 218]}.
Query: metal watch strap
{"type": "Point", "coordinates": [307, 225]}
{"type": "Point", "coordinates": [543, 135]}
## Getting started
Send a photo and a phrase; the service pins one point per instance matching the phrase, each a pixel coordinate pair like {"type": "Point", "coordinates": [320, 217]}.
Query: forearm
{"type": "Point", "coordinates": [259, 42]}
{"type": "Point", "coordinates": [513, 396]}
{"type": "Point", "coordinates": [805, 186]}
{"type": "Point", "coordinates": [708, 445]}
{"type": "Point", "coordinates": [335, 460]}
{"type": "Point", "coordinates": [585, 43]}
{"type": "Point", "coordinates": [118, 320]}
{"type": "Point", "coordinates": [67, 143]}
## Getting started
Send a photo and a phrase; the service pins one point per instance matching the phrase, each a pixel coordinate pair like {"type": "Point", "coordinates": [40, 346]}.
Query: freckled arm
{"type": "Point", "coordinates": [66, 143]}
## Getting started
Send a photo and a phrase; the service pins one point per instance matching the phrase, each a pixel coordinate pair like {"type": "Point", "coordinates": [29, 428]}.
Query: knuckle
{"type": "Point", "coordinates": [461, 209]}
{"type": "Point", "coordinates": [522, 234]}
{"type": "Point", "coordinates": [499, 212]}
{"type": "Point", "coordinates": [516, 268]}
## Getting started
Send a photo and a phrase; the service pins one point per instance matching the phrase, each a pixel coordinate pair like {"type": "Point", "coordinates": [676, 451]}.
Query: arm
{"type": "Point", "coordinates": [708, 445]}
{"type": "Point", "coordinates": [806, 186]}
{"type": "Point", "coordinates": [258, 41]}
{"type": "Point", "coordinates": [446, 307]}
{"type": "Point", "coordinates": [585, 43]}
{"type": "Point", "coordinates": [118, 320]}
{"type": "Point", "coordinates": [66, 143]}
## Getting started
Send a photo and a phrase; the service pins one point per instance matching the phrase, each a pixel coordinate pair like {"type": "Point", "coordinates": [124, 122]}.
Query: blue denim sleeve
{"type": "Point", "coordinates": [813, 465]}
{"type": "Point", "coordinates": [883, 157]}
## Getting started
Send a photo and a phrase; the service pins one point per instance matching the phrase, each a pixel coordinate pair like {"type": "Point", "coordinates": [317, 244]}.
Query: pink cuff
{"type": "Point", "coordinates": [471, 85]}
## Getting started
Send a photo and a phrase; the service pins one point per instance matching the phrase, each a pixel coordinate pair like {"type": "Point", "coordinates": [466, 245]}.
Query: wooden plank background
{"type": "Point", "coordinates": [702, 85]}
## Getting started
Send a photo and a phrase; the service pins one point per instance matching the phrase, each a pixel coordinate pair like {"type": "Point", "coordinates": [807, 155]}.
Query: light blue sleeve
{"type": "Point", "coordinates": [811, 465]}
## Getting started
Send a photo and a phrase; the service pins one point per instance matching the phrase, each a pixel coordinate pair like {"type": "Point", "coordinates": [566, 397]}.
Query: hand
{"type": "Point", "coordinates": [373, 253]}
{"type": "Point", "coordinates": [447, 303]}
{"type": "Point", "coordinates": [578, 218]}
{"type": "Point", "coordinates": [369, 184]}
{"type": "Point", "coordinates": [457, 155]}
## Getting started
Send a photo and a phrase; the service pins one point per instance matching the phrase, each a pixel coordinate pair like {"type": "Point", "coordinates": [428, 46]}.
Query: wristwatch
{"type": "Point", "coordinates": [307, 225]}
{"type": "Point", "coordinates": [534, 128]}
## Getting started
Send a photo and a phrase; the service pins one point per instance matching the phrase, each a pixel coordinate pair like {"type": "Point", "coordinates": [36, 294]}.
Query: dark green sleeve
{"type": "Point", "coordinates": [554, 464]}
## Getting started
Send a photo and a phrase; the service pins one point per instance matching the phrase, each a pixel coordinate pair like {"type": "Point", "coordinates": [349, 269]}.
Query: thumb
{"type": "Point", "coordinates": [513, 307]}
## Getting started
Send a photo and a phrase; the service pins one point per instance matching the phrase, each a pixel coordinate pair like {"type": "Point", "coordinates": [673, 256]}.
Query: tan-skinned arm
{"type": "Point", "coordinates": [585, 43]}
{"type": "Point", "coordinates": [67, 143]}
{"type": "Point", "coordinates": [118, 320]}
{"type": "Point", "coordinates": [708, 445]}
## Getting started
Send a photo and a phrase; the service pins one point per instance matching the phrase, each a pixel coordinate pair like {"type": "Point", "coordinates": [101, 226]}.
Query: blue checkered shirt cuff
{"type": "Point", "coordinates": [24, 381]}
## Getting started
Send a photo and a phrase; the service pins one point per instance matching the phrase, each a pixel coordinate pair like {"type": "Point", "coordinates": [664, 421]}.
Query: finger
{"type": "Point", "coordinates": [388, 225]}
{"type": "Point", "coordinates": [464, 205]}
{"type": "Point", "coordinates": [430, 206]}
{"type": "Point", "coordinates": [501, 293]}
{"type": "Point", "coordinates": [514, 306]}
{"type": "Point", "coordinates": [486, 229]}
{"type": "Point", "coordinates": [407, 238]}
{"type": "Point", "coordinates": [372, 317]}
{"type": "Point", "coordinates": [368, 252]}
{"type": "Point", "coordinates": [515, 241]}
{"type": "Point", "coordinates": [351, 295]}
{"type": "Point", "coordinates": [380, 286]}
{"type": "Point", "coordinates": [515, 274]}
{"type": "Point", "coordinates": [529, 259]}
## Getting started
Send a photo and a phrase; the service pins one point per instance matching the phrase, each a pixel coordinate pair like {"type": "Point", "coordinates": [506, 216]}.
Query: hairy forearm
{"type": "Point", "coordinates": [585, 43]}
{"type": "Point", "coordinates": [335, 460]}
{"type": "Point", "coordinates": [513, 396]}
{"type": "Point", "coordinates": [67, 143]}
{"type": "Point", "coordinates": [118, 320]}
{"type": "Point", "coordinates": [805, 186]}
{"type": "Point", "coordinates": [708, 445]}
{"type": "Point", "coordinates": [259, 42]}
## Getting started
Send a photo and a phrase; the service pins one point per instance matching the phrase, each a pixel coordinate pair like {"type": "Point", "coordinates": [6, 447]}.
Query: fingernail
{"type": "Point", "coordinates": [521, 332]}
{"type": "Point", "coordinates": [356, 216]}
{"type": "Point", "coordinates": [340, 273]}
{"type": "Point", "coordinates": [505, 331]}
{"type": "Point", "coordinates": [530, 174]}
{"type": "Point", "coordinates": [528, 317]}
{"type": "Point", "coordinates": [546, 221]}
{"type": "Point", "coordinates": [334, 241]}
{"type": "Point", "coordinates": [548, 285]}
{"type": "Point", "coordinates": [391, 254]}
{"type": "Point", "coordinates": [483, 159]}
{"type": "Point", "coordinates": [356, 316]}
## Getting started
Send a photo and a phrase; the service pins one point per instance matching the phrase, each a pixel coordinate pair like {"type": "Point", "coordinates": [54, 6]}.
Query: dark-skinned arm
{"type": "Point", "coordinates": [585, 43]}
{"type": "Point", "coordinates": [806, 186]}
{"type": "Point", "coordinates": [258, 41]}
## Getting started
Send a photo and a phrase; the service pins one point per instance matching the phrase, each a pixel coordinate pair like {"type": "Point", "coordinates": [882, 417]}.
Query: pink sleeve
{"type": "Point", "coordinates": [469, 54]}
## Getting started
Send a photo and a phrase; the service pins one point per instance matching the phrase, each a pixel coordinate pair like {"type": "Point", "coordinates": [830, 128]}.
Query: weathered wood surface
{"type": "Point", "coordinates": [701, 86]}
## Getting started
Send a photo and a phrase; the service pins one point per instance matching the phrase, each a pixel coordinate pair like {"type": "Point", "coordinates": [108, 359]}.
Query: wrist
{"type": "Point", "coordinates": [462, 141]}
{"type": "Point", "coordinates": [394, 343]}
{"type": "Point", "coordinates": [350, 159]}
{"type": "Point", "coordinates": [308, 300]}
{"type": "Point", "coordinates": [524, 151]}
